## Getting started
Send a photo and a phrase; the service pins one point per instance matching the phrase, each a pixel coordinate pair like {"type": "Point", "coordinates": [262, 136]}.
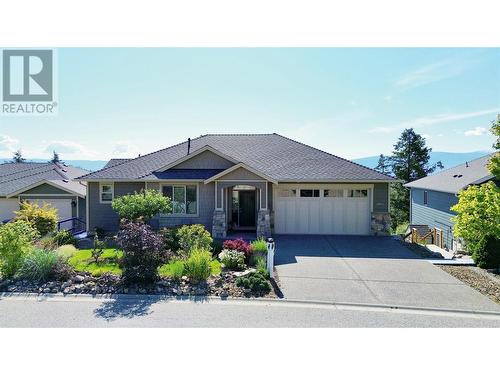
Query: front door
{"type": "Point", "coordinates": [247, 208]}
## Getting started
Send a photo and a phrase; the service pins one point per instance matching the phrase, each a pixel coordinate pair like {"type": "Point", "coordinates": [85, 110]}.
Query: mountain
{"type": "Point", "coordinates": [90, 165]}
{"type": "Point", "coordinates": [449, 159]}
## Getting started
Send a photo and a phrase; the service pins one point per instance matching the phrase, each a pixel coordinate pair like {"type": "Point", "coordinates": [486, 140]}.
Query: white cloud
{"type": "Point", "coordinates": [125, 149]}
{"type": "Point", "coordinates": [424, 121]}
{"type": "Point", "coordinates": [432, 73]}
{"type": "Point", "coordinates": [476, 131]}
{"type": "Point", "coordinates": [8, 144]}
{"type": "Point", "coordinates": [71, 150]}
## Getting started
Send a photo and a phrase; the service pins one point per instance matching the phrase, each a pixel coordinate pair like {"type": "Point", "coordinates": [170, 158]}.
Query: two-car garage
{"type": "Point", "coordinates": [322, 209]}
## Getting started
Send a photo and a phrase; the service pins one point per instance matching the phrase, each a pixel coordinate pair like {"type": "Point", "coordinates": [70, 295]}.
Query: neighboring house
{"type": "Point", "coordinates": [42, 182]}
{"type": "Point", "coordinates": [432, 197]}
{"type": "Point", "coordinates": [265, 183]}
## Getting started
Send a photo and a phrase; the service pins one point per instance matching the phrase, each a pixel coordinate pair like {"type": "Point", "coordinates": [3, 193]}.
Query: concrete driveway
{"type": "Point", "coordinates": [368, 270]}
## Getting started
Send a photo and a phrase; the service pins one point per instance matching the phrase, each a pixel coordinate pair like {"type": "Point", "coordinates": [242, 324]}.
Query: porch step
{"type": "Point", "coordinates": [436, 249]}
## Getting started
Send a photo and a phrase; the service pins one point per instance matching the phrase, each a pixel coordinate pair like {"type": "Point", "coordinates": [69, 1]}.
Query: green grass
{"type": "Point", "coordinates": [175, 269]}
{"type": "Point", "coordinates": [82, 261]}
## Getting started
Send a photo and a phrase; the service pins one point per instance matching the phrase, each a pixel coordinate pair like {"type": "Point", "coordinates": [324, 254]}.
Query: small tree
{"type": "Point", "coordinates": [478, 216]}
{"type": "Point", "coordinates": [383, 165]}
{"type": "Point", "coordinates": [494, 165]}
{"type": "Point", "coordinates": [98, 248]}
{"type": "Point", "coordinates": [43, 219]}
{"type": "Point", "coordinates": [18, 157]}
{"type": "Point", "coordinates": [145, 205]}
{"type": "Point", "coordinates": [55, 158]}
{"type": "Point", "coordinates": [143, 252]}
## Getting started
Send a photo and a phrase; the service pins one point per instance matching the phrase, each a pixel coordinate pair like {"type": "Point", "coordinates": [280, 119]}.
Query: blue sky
{"type": "Point", "coordinates": [350, 102]}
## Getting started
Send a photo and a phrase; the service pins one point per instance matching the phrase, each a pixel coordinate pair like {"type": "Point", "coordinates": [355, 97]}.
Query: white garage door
{"type": "Point", "coordinates": [300, 210]}
{"type": "Point", "coordinates": [7, 208]}
{"type": "Point", "coordinates": [63, 207]}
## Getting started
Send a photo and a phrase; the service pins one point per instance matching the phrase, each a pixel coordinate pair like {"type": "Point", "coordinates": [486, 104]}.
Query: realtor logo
{"type": "Point", "coordinates": [27, 75]}
{"type": "Point", "coordinates": [28, 82]}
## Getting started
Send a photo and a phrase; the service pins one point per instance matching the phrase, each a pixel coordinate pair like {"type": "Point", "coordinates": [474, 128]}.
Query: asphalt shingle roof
{"type": "Point", "coordinates": [454, 179]}
{"type": "Point", "coordinates": [16, 176]}
{"type": "Point", "coordinates": [113, 162]}
{"type": "Point", "coordinates": [278, 157]}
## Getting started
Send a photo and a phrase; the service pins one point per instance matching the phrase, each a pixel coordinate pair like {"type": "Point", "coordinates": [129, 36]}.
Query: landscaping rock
{"type": "Point", "coordinates": [78, 279]}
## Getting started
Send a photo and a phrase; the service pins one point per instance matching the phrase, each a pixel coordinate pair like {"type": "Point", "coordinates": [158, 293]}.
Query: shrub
{"type": "Point", "coordinates": [66, 251]}
{"type": "Point", "coordinates": [38, 265]}
{"type": "Point", "coordinates": [261, 266]}
{"type": "Point", "coordinates": [15, 242]}
{"type": "Point", "coordinates": [174, 269]}
{"type": "Point", "coordinates": [197, 266]}
{"type": "Point", "coordinates": [145, 204]}
{"type": "Point", "coordinates": [98, 248]}
{"type": "Point", "coordinates": [170, 239]}
{"type": "Point", "coordinates": [239, 245]}
{"type": "Point", "coordinates": [43, 219]}
{"type": "Point", "coordinates": [64, 237]}
{"type": "Point", "coordinates": [232, 259]}
{"type": "Point", "coordinates": [259, 246]}
{"type": "Point", "coordinates": [254, 281]}
{"type": "Point", "coordinates": [216, 247]}
{"type": "Point", "coordinates": [48, 243]}
{"type": "Point", "coordinates": [194, 237]}
{"type": "Point", "coordinates": [62, 271]}
{"type": "Point", "coordinates": [143, 252]}
{"type": "Point", "coordinates": [489, 256]}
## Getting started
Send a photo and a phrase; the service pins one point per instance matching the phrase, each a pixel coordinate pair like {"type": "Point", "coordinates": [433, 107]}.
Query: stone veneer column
{"type": "Point", "coordinates": [263, 223]}
{"type": "Point", "coordinates": [219, 224]}
{"type": "Point", "coordinates": [381, 223]}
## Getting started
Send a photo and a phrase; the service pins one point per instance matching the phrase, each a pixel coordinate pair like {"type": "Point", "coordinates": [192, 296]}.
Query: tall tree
{"type": "Point", "coordinates": [409, 161]}
{"type": "Point", "coordinates": [384, 164]}
{"type": "Point", "coordinates": [18, 157]}
{"type": "Point", "coordinates": [55, 158]}
{"type": "Point", "coordinates": [494, 165]}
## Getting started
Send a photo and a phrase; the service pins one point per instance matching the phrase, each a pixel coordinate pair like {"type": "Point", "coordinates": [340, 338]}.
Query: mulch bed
{"type": "Point", "coordinates": [483, 281]}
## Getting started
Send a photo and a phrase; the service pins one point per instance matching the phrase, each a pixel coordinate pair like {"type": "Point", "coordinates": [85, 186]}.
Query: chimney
{"type": "Point", "coordinates": [189, 145]}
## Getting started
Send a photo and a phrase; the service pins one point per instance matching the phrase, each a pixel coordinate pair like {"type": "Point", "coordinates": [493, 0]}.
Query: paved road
{"type": "Point", "coordinates": [86, 311]}
{"type": "Point", "coordinates": [368, 270]}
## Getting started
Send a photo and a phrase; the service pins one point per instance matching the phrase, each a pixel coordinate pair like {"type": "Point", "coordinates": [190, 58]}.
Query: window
{"type": "Point", "coordinates": [357, 193]}
{"type": "Point", "coordinates": [333, 193]}
{"type": "Point", "coordinates": [288, 193]}
{"type": "Point", "coordinates": [309, 193]}
{"type": "Point", "coordinates": [183, 197]}
{"type": "Point", "coordinates": [106, 193]}
{"type": "Point", "coordinates": [425, 197]}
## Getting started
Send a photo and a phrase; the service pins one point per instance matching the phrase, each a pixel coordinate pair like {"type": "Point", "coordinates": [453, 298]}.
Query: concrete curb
{"type": "Point", "coordinates": [266, 301]}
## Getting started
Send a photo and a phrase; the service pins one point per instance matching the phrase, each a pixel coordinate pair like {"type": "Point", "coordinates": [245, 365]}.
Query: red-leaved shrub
{"type": "Point", "coordinates": [239, 245]}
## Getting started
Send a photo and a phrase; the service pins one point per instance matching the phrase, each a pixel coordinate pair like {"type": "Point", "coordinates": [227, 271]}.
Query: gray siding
{"type": "Point", "coordinates": [436, 213]}
{"type": "Point", "coordinates": [82, 209]}
{"type": "Point", "coordinates": [45, 189]}
{"type": "Point", "coordinates": [381, 197]}
{"type": "Point", "coordinates": [206, 194]}
{"type": "Point", "coordinates": [101, 215]}
{"type": "Point", "coordinates": [241, 174]}
{"type": "Point", "coordinates": [205, 160]}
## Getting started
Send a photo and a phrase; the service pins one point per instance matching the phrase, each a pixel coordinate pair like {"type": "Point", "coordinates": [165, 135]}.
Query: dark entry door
{"type": "Point", "coordinates": [247, 208]}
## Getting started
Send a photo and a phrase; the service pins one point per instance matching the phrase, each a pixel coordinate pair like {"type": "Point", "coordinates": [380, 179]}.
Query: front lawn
{"type": "Point", "coordinates": [82, 261]}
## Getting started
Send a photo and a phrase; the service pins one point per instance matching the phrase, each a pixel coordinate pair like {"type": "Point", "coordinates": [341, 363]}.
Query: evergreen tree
{"type": "Point", "coordinates": [55, 158]}
{"type": "Point", "coordinates": [410, 161]}
{"type": "Point", "coordinates": [494, 165]}
{"type": "Point", "coordinates": [384, 165]}
{"type": "Point", "coordinates": [18, 157]}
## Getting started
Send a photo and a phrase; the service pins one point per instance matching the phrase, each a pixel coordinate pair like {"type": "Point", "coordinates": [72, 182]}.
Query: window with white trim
{"type": "Point", "coordinates": [184, 198]}
{"type": "Point", "coordinates": [106, 192]}
{"type": "Point", "coordinates": [357, 193]}
{"type": "Point", "coordinates": [333, 193]}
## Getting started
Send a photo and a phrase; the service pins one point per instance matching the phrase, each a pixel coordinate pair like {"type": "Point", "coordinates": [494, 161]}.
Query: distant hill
{"type": "Point", "coordinates": [449, 159]}
{"type": "Point", "coordinates": [90, 165]}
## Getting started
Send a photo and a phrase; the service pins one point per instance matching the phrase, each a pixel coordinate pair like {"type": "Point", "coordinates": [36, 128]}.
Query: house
{"type": "Point", "coordinates": [265, 183]}
{"type": "Point", "coordinates": [43, 182]}
{"type": "Point", "coordinates": [432, 197]}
